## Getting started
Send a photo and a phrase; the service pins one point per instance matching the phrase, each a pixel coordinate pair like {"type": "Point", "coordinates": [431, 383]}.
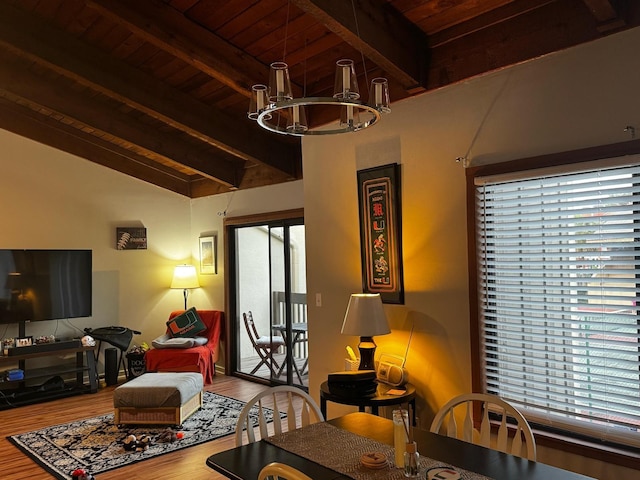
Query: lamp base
{"type": "Point", "coordinates": [367, 348]}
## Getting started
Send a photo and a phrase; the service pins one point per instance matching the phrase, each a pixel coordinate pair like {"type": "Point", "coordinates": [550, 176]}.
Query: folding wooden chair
{"type": "Point", "coordinates": [263, 345]}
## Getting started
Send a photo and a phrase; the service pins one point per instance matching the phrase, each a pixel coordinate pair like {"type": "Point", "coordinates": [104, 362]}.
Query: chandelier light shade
{"type": "Point", "coordinates": [277, 110]}
{"type": "Point", "coordinates": [346, 84]}
{"type": "Point", "coordinates": [365, 317]}
{"type": "Point", "coordinates": [185, 277]}
{"type": "Point", "coordinates": [379, 94]}
{"type": "Point", "coordinates": [297, 125]}
{"type": "Point", "coordinates": [350, 117]}
{"type": "Point", "coordinates": [279, 82]}
{"type": "Point", "coordinates": [259, 100]}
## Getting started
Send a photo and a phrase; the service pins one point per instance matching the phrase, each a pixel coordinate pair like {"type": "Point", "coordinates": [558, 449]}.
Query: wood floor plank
{"type": "Point", "coordinates": [187, 463]}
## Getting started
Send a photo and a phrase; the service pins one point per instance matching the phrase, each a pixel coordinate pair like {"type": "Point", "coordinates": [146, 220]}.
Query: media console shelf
{"type": "Point", "coordinates": [34, 389]}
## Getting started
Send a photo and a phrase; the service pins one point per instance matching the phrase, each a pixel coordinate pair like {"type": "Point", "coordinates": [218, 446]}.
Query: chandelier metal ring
{"type": "Point", "coordinates": [268, 114]}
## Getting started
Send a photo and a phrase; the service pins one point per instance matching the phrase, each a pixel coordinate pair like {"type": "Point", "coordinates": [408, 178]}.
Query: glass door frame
{"type": "Point", "coordinates": [234, 327]}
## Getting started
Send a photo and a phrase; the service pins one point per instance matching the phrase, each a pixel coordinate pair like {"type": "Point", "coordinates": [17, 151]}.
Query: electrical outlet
{"type": "Point", "coordinates": [318, 299]}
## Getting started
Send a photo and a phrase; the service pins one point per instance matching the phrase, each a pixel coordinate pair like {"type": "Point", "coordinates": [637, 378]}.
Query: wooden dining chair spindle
{"type": "Point", "coordinates": [295, 403]}
{"type": "Point", "coordinates": [489, 404]}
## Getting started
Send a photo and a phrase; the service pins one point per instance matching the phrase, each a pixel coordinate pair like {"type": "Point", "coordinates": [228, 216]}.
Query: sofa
{"type": "Point", "coordinates": [198, 358]}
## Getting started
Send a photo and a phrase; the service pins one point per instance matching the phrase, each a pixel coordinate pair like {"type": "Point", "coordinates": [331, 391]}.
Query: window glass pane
{"type": "Point", "coordinates": [558, 280]}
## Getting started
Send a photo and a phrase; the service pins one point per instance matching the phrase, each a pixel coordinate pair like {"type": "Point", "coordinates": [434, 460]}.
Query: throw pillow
{"type": "Point", "coordinates": [187, 324]}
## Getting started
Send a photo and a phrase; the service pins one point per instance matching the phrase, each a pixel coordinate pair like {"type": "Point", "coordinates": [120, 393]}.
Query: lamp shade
{"type": "Point", "coordinates": [365, 316]}
{"type": "Point", "coordinates": [185, 276]}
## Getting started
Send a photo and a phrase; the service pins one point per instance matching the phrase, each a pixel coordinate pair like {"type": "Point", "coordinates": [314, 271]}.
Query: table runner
{"type": "Point", "coordinates": [340, 450]}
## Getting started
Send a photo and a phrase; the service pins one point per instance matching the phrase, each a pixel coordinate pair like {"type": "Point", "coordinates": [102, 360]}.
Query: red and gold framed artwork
{"type": "Point", "coordinates": [381, 232]}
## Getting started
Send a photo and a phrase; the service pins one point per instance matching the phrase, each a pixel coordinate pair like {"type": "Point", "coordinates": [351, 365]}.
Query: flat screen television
{"type": "Point", "coordinates": [40, 285]}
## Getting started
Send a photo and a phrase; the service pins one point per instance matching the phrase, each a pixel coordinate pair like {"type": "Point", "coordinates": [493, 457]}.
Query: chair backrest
{"type": "Point", "coordinates": [251, 327]}
{"type": "Point", "coordinates": [295, 403]}
{"type": "Point", "coordinates": [488, 404]}
{"type": "Point", "coordinates": [277, 470]}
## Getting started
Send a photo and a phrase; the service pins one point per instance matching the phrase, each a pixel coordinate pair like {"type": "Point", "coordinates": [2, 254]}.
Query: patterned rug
{"type": "Point", "coordinates": [96, 444]}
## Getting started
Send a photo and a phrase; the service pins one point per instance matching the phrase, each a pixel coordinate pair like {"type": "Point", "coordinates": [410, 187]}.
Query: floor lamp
{"type": "Point", "coordinates": [185, 277]}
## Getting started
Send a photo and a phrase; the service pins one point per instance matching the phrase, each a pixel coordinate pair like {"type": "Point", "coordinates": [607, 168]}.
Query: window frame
{"type": "Point", "coordinates": [585, 446]}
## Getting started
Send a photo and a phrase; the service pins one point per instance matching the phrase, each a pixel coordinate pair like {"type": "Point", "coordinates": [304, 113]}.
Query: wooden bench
{"type": "Point", "coordinates": [158, 398]}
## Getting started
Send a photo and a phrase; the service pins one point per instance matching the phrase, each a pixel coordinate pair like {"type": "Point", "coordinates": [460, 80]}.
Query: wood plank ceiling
{"type": "Point", "coordinates": [159, 90]}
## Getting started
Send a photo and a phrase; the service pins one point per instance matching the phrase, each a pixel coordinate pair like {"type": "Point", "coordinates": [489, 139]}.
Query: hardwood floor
{"type": "Point", "coordinates": [187, 463]}
{"type": "Point", "coordinates": [248, 363]}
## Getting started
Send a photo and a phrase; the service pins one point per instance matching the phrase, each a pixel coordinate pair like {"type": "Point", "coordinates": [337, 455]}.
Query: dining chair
{"type": "Point", "coordinates": [298, 406]}
{"type": "Point", "coordinates": [277, 470]}
{"type": "Point", "coordinates": [263, 345]}
{"type": "Point", "coordinates": [489, 405]}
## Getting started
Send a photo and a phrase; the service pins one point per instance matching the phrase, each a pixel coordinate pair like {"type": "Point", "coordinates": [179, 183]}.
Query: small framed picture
{"type": "Point", "coordinates": [131, 238]}
{"type": "Point", "coordinates": [24, 341]}
{"type": "Point", "coordinates": [208, 255]}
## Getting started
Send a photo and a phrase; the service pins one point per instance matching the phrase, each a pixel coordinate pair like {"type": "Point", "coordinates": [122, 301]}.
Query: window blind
{"type": "Point", "coordinates": [559, 269]}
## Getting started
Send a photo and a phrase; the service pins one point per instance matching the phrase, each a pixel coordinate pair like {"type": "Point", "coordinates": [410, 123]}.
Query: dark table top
{"type": "Point", "coordinates": [381, 398]}
{"type": "Point", "coordinates": [245, 462]}
{"type": "Point", "coordinates": [295, 327]}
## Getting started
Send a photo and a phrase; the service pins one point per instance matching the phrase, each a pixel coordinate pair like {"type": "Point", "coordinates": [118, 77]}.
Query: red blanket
{"type": "Point", "coordinates": [197, 359]}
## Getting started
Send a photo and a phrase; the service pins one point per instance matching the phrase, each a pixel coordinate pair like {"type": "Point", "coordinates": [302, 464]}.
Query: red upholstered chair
{"type": "Point", "coordinates": [196, 359]}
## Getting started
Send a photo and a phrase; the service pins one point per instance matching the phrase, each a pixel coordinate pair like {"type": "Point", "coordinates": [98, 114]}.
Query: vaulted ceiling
{"type": "Point", "coordinates": [159, 89]}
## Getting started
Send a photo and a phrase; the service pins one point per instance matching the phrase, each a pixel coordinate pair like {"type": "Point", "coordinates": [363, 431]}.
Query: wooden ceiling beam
{"type": "Point", "coordinates": [381, 33]}
{"type": "Point", "coordinates": [255, 176]}
{"type": "Point", "coordinates": [606, 13]}
{"type": "Point", "coordinates": [602, 10]}
{"type": "Point", "coordinates": [54, 48]}
{"type": "Point", "coordinates": [487, 20]}
{"type": "Point", "coordinates": [506, 43]}
{"type": "Point", "coordinates": [169, 30]}
{"type": "Point", "coordinates": [87, 110]}
{"type": "Point", "coordinates": [50, 132]}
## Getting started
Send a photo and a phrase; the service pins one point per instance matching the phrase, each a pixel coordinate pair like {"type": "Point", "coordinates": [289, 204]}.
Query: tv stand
{"type": "Point", "coordinates": [35, 388]}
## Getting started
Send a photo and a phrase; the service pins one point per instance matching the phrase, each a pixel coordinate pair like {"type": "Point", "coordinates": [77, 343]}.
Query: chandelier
{"type": "Point", "coordinates": [275, 108]}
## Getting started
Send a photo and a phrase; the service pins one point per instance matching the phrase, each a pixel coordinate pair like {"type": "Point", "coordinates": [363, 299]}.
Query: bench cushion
{"type": "Point", "coordinates": [158, 390]}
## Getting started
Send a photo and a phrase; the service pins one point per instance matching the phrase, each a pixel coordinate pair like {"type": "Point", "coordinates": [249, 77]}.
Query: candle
{"type": "Point", "coordinates": [296, 115]}
{"type": "Point", "coordinates": [378, 89]}
{"type": "Point", "coordinates": [280, 84]}
{"type": "Point", "coordinates": [260, 100]}
{"type": "Point", "coordinates": [346, 82]}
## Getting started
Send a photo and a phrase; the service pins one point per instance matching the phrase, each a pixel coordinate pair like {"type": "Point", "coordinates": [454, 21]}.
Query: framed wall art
{"type": "Point", "coordinates": [131, 238]}
{"type": "Point", "coordinates": [381, 232]}
{"type": "Point", "coordinates": [208, 255]}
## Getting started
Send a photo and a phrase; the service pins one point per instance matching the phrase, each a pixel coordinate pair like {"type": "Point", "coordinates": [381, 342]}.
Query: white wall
{"type": "Point", "coordinates": [50, 199]}
{"type": "Point", "coordinates": [208, 214]}
{"type": "Point", "coordinates": [573, 99]}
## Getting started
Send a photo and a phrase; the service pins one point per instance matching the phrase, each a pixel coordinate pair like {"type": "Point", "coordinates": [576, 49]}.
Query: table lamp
{"type": "Point", "coordinates": [185, 277]}
{"type": "Point", "coordinates": [365, 318]}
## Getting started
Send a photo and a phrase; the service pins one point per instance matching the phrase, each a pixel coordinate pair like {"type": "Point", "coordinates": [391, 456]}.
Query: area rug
{"type": "Point", "coordinates": [96, 444]}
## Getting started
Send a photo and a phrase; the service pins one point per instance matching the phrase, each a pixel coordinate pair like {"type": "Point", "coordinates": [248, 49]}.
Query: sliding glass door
{"type": "Point", "coordinates": [268, 301]}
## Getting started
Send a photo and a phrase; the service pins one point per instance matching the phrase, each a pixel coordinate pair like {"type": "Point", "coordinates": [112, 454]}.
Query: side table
{"type": "Point", "coordinates": [380, 399]}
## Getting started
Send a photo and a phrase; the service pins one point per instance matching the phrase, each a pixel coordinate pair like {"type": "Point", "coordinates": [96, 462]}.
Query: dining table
{"type": "Point", "coordinates": [332, 450]}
